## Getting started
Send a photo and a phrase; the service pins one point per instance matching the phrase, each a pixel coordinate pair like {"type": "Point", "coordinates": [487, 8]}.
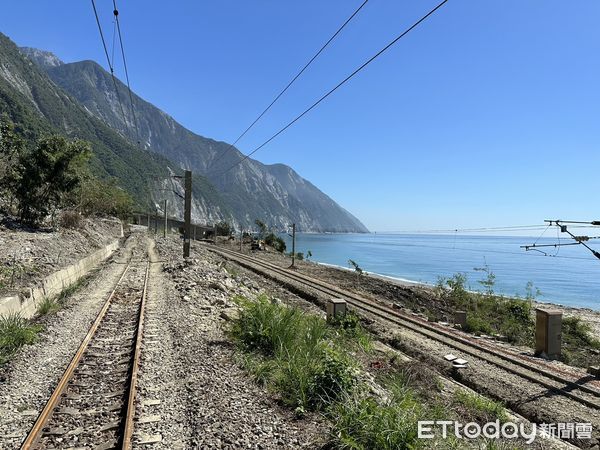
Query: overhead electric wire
{"type": "Point", "coordinates": [341, 83]}
{"type": "Point", "coordinates": [480, 250]}
{"type": "Point", "coordinates": [110, 66]}
{"type": "Point", "coordinates": [135, 124]}
{"type": "Point", "coordinates": [315, 56]}
{"type": "Point", "coordinates": [478, 230]}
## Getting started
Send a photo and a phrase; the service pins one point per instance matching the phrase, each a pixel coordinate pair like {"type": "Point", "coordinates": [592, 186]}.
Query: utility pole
{"type": "Point", "coordinates": [187, 215]}
{"type": "Point", "coordinates": [215, 233]}
{"type": "Point", "coordinates": [166, 220]}
{"type": "Point", "coordinates": [293, 244]}
{"type": "Point", "coordinates": [156, 221]}
{"type": "Point", "coordinates": [148, 222]}
{"type": "Point", "coordinates": [241, 239]}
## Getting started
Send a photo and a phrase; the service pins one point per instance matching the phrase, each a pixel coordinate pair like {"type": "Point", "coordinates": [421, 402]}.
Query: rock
{"type": "Point", "coordinates": [230, 314]}
{"type": "Point", "coordinates": [218, 286]}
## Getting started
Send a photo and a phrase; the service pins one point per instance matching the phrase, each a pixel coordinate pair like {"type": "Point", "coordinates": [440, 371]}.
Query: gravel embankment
{"type": "Point", "coordinates": [28, 256]}
{"type": "Point", "coordinates": [527, 398]}
{"type": "Point", "coordinates": [191, 391]}
{"type": "Point", "coordinates": [28, 380]}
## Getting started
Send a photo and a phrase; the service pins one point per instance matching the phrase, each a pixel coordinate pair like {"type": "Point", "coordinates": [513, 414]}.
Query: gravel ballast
{"type": "Point", "coordinates": [27, 381]}
{"type": "Point", "coordinates": [191, 391]}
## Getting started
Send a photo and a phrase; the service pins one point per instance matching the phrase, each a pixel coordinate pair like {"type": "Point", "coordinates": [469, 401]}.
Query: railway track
{"type": "Point", "coordinates": [578, 387]}
{"type": "Point", "coordinates": [93, 404]}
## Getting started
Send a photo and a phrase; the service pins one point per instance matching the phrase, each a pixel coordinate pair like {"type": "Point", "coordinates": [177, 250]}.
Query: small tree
{"type": "Point", "coordinates": [12, 148]}
{"type": "Point", "coordinates": [97, 197]}
{"type": "Point", "coordinates": [308, 255]}
{"type": "Point", "coordinates": [276, 242]}
{"type": "Point", "coordinates": [355, 266]}
{"type": "Point", "coordinates": [49, 172]}
{"type": "Point", "coordinates": [490, 279]}
{"type": "Point", "coordinates": [357, 269]}
{"type": "Point", "coordinates": [262, 228]}
{"type": "Point", "coordinates": [224, 229]}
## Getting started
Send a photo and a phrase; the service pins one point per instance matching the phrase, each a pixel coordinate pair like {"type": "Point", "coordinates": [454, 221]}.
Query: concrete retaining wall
{"type": "Point", "coordinates": [27, 302]}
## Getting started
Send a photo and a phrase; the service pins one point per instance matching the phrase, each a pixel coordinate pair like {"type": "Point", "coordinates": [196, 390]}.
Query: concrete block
{"type": "Point", "coordinates": [548, 339]}
{"type": "Point", "coordinates": [594, 370]}
{"type": "Point", "coordinates": [336, 307]}
{"type": "Point", "coordinates": [460, 318]}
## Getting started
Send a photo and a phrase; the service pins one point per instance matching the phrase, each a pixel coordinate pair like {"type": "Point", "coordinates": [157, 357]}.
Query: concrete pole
{"type": "Point", "coordinates": [148, 222]}
{"type": "Point", "coordinates": [156, 222]}
{"type": "Point", "coordinates": [166, 221]}
{"type": "Point", "coordinates": [241, 239]}
{"type": "Point", "coordinates": [194, 232]}
{"type": "Point", "coordinates": [215, 233]}
{"type": "Point", "coordinates": [187, 214]}
{"type": "Point", "coordinates": [293, 244]}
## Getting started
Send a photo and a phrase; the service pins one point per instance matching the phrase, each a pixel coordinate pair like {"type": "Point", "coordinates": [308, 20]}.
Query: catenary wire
{"type": "Point", "coordinates": [135, 124]}
{"type": "Point", "coordinates": [112, 71]}
{"type": "Point", "coordinates": [315, 56]}
{"type": "Point", "coordinates": [340, 84]}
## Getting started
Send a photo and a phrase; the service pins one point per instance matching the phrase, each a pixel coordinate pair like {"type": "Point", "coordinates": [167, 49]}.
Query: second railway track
{"type": "Point", "coordinates": [93, 404]}
{"type": "Point", "coordinates": [581, 389]}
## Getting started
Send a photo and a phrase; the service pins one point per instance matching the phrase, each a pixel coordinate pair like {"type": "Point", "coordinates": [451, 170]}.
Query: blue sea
{"type": "Point", "coordinates": [570, 277]}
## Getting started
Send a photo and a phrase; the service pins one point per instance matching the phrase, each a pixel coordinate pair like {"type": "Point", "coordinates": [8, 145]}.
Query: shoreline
{"type": "Point", "coordinates": [589, 315]}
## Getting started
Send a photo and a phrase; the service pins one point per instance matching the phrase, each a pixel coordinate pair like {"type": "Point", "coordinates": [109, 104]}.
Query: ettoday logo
{"type": "Point", "coordinates": [430, 429]}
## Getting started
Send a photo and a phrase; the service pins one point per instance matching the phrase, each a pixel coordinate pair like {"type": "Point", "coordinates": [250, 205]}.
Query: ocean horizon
{"type": "Point", "coordinates": [564, 275]}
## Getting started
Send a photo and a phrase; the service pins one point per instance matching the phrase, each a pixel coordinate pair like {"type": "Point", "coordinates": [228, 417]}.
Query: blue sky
{"type": "Point", "coordinates": [485, 115]}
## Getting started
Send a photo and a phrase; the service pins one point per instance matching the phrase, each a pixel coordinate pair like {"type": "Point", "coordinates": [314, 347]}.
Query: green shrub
{"type": "Point", "coordinates": [70, 219]}
{"type": "Point", "coordinates": [47, 306]}
{"type": "Point", "coordinates": [477, 325]}
{"type": "Point", "coordinates": [98, 197]}
{"type": "Point", "coordinates": [333, 376]}
{"type": "Point", "coordinates": [298, 353]}
{"type": "Point", "coordinates": [362, 423]}
{"type": "Point", "coordinates": [578, 333]}
{"type": "Point", "coordinates": [276, 242]}
{"type": "Point", "coordinates": [15, 331]}
{"type": "Point", "coordinates": [351, 331]}
{"type": "Point", "coordinates": [266, 327]}
{"type": "Point", "coordinates": [224, 229]}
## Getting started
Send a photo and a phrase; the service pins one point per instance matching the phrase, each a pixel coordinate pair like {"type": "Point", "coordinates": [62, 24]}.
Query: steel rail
{"type": "Point", "coordinates": [128, 429]}
{"type": "Point", "coordinates": [432, 332]}
{"type": "Point", "coordinates": [42, 420]}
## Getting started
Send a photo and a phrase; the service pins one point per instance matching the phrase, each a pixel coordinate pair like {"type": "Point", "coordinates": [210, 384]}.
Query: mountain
{"type": "Point", "coordinates": [38, 106]}
{"type": "Point", "coordinates": [42, 58]}
{"type": "Point", "coordinates": [274, 193]}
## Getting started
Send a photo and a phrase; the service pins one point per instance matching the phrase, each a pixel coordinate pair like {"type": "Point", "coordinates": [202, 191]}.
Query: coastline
{"type": "Point", "coordinates": [416, 295]}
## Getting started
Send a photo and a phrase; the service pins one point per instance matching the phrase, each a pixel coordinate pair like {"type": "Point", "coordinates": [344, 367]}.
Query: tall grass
{"type": "Point", "coordinates": [47, 306]}
{"type": "Point", "coordinates": [15, 331]}
{"type": "Point", "coordinates": [479, 407]}
{"type": "Point", "coordinates": [360, 422]}
{"type": "Point", "coordinates": [298, 353]}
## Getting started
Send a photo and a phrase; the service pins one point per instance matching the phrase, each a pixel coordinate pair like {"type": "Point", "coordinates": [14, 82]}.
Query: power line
{"type": "Point", "coordinates": [560, 226]}
{"type": "Point", "coordinates": [478, 230]}
{"type": "Point", "coordinates": [316, 55]}
{"type": "Point", "coordinates": [341, 83]}
{"type": "Point", "coordinates": [479, 250]}
{"type": "Point", "coordinates": [116, 14]}
{"type": "Point", "coordinates": [112, 71]}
